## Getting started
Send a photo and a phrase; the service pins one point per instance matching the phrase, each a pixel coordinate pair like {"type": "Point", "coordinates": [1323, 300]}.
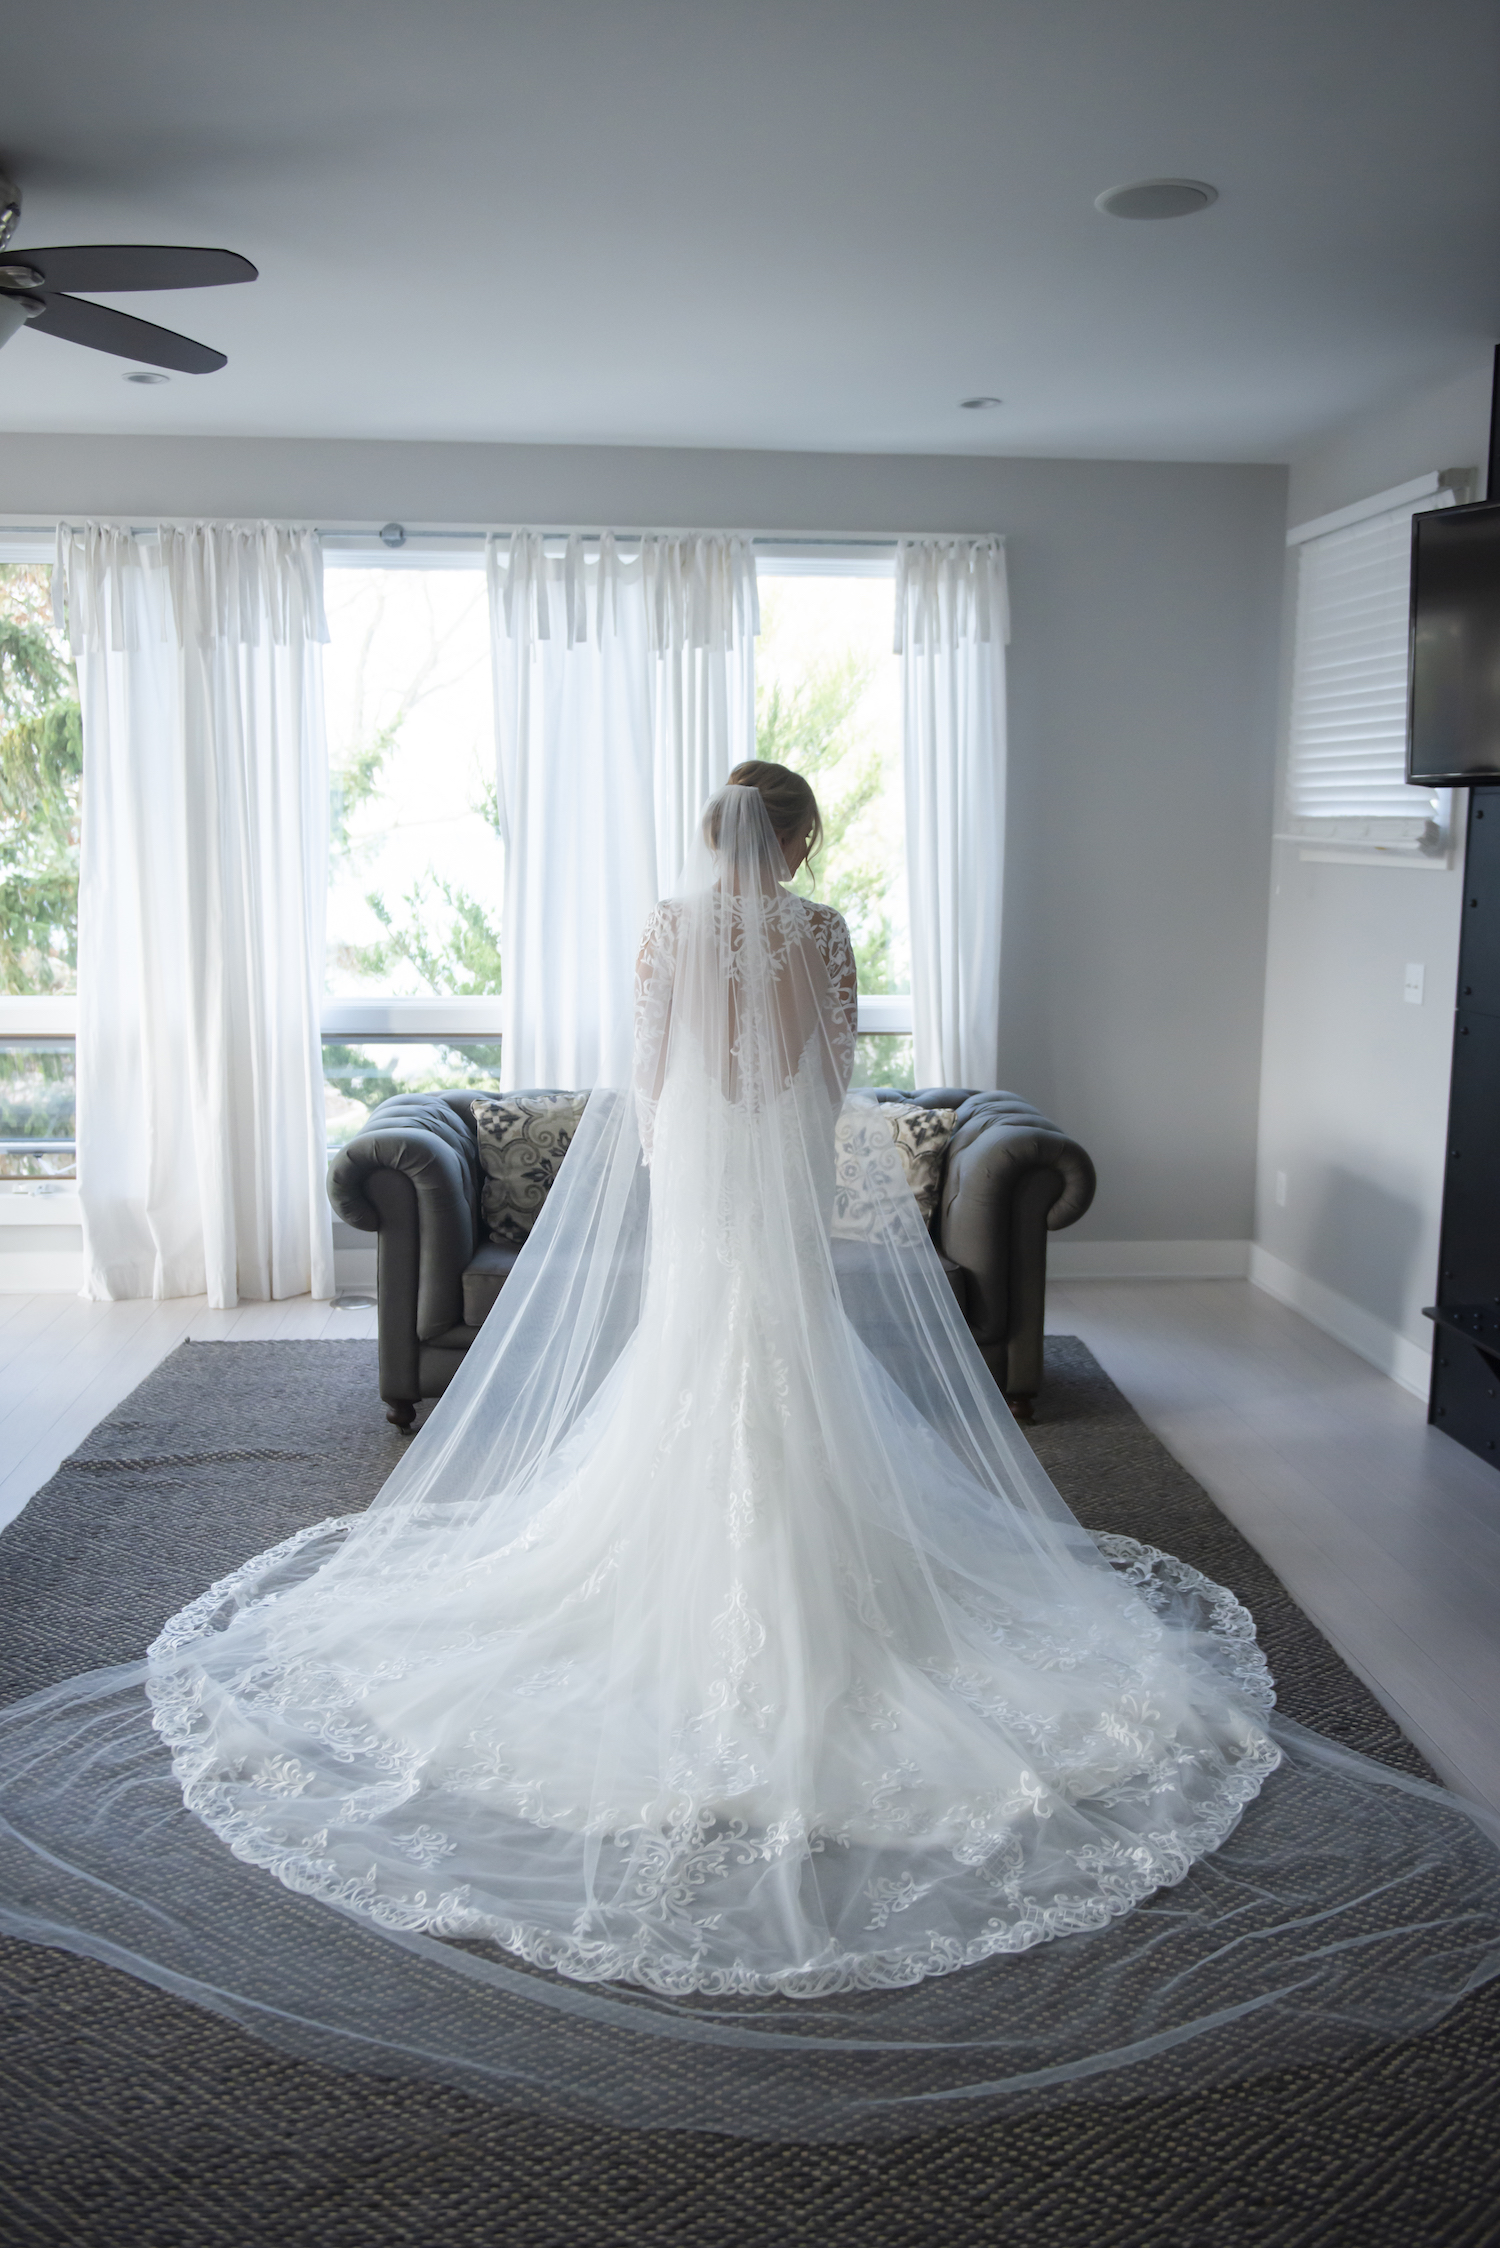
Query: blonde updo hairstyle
{"type": "Point", "coordinates": [789, 801]}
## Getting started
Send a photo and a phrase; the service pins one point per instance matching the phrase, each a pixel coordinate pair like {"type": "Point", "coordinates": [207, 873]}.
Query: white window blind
{"type": "Point", "coordinates": [1346, 770]}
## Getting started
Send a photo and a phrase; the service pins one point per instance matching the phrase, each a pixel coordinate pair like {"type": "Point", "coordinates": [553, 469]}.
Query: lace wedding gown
{"type": "Point", "coordinates": [721, 1638]}
{"type": "Point", "coordinates": [752, 1682]}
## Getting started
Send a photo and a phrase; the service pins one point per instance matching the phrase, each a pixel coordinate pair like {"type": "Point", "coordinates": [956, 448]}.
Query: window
{"type": "Point", "coordinates": [36, 1108]}
{"type": "Point", "coordinates": [415, 863]}
{"type": "Point", "coordinates": [828, 703]}
{"type": "Point", "coordinates": [1346, 768]}
{"type": "Point", "coordinates": [416, 866]}
{"type": "Point", "coordinates": [41, 764]}
{"type": "Point", "coordinates": [416, 858]}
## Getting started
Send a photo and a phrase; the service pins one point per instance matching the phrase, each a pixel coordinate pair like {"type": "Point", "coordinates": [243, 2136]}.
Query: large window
{"type": "Point", "coordinates": [416, 863]}
{"type": "Point", "coordinates": [40, 772]}
{"type": "Point", "coordinates": [828, 703]}
{"type": "Point", "coordinates": [416, 867]}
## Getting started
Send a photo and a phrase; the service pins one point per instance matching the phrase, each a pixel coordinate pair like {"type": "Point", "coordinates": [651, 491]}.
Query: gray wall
{"type": "Point", "coordinates": [1354, 1085]}
{"type": "Point", "coordinates": [1142, 715]}
{"type": "Point", "coordinates": [1142, 718]}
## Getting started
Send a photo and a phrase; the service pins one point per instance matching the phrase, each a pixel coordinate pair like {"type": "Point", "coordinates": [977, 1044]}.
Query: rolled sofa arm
{"type": "Point", "coordinates": [1011, 1179]}
{"type": "Point", "coordinates": [411, 1176]}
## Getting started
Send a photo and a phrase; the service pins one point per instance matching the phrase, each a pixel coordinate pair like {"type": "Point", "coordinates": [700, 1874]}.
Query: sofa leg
{"type": "Point", "coordinates": [1024, 1408]}
{"type": "Point", "coordinates": [401, 1414]}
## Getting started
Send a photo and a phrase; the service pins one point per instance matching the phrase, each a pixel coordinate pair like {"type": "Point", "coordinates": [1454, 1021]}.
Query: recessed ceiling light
{"type": "Point", "coordinates": [148, 374]}
{"type": "Point", "coordinates": [1156, 199]}
{"type": "Point", "coordinates": [979, 405]}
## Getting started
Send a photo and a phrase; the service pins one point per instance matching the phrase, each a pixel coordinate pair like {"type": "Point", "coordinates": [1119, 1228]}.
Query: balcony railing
{"type": "Point", "coordinates": [372, 1048]}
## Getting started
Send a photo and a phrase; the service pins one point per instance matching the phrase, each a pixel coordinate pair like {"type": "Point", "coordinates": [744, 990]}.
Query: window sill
{"type": "Point", "coordinates": [39, 1202]}
{"type": "Point", "coordinates": [55, 1016]}
{"type": "Point", "coordinates": [1333, 853]}
{"type": "Point", "coordinates": [391, 1018]}
{"type": "Point", "coordinates": [481, 1018]}
{"type": "Point", "coordinates": [411, 1018]}
{"type": "Point", "coordinates": [885, 1011]}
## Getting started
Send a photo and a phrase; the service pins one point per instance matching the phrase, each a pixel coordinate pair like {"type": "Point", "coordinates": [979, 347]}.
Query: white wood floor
{"type": "Point", "coordinates": [1386, 1533]}
{"type": "Point", "coordinates": [64, 1364]}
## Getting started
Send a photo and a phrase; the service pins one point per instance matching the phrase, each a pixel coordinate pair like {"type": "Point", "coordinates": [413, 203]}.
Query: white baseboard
{"type": "Point", "coordinates": [41, 1239]}
{"type": "Point", "coordinates": [41, 1272]}
{"type": "Point", "coordinates": [57, 1269]}
{"type": "Point", "coordinates": [1148, 1260]}
{"type": "Point", "coordinates": [353, 1268]}
{"type": "Point", "coordinates": [1349, 1323]}
{"type": "Point", "coordinates": [49, 1262]}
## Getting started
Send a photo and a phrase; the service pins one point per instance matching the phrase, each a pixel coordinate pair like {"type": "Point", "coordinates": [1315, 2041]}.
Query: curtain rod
{"type": "Point", "coordinates": [504, 531]}
{"type": "Point", "coordinates": [756, 538]}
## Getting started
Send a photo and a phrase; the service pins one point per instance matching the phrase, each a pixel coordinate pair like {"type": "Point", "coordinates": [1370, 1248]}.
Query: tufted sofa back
{"type": "Point", "coordinates": [412, 1176]}
{"type": "Point", "coordinates": [448, 1118]}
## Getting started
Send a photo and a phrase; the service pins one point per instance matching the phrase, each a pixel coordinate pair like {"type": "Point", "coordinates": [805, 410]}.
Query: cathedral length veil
{"type": "Point", "coordinates": [718, 1720]}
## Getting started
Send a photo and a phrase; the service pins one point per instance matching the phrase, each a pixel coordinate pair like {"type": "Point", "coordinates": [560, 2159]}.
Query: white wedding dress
{"type": "Point", "coordinates": [721, 1642]}
{"type": "Point", "coordinates": [751, 1681]}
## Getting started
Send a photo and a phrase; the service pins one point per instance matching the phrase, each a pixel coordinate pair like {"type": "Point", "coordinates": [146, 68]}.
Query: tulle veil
{"type": "Point", "coordinates": [652, 1893]}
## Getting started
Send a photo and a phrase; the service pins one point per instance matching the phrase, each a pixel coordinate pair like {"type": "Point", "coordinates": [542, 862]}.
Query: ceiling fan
{"type": "Point", "coordinates": [34, 286]}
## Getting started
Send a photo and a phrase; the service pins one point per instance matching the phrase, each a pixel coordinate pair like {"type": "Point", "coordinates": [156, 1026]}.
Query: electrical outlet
{"type": "Point", "coordinates": [1411, 990]}
{"type": "Point", "coordinates": [1281, 1190]}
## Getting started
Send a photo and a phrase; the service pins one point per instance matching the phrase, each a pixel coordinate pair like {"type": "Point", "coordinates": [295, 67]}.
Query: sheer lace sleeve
{"type": "Point", "coordinates": [831, 933]}
{"type": "Point", "coordinates": [654, 967]}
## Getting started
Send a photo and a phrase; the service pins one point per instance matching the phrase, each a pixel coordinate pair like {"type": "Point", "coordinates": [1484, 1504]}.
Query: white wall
{"type": "Point", "coordinates": [1143, 683]}
{"type": "Point", "coordinates": [1354, 1082]}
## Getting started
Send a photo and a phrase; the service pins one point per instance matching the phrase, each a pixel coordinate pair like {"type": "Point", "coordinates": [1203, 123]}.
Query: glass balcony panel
{"type": "Point", "coordinates": [37, 1109]}
{"type": "Point", "coordinates": [359, 1075]}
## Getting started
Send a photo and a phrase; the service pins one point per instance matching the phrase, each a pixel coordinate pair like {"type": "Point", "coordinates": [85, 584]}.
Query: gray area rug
{"type": "Point", "coordinates": [129, 2120]}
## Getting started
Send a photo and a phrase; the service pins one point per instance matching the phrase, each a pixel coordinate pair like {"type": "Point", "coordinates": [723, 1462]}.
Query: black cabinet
{"type": "Point", "coordinates": [1466, 1358]}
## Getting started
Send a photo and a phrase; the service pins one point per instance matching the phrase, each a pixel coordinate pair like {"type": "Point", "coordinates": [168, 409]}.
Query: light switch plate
{"type": "Point", "coordinates": [1416, 976]}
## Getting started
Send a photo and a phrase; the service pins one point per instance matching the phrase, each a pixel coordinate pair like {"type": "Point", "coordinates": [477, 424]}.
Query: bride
{"type": "Point", "coordinates": [721, 1640]}
{"type": "Point", "coordinates": [742, 1672]}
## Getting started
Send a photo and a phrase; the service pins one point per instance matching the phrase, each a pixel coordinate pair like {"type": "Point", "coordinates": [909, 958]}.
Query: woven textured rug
{"type": "Point", "coordinates": [129, 2120]}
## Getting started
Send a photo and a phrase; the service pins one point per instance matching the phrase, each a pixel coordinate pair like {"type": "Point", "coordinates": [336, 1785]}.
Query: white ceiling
{"type": "Point", "coordinates": [785, 223]}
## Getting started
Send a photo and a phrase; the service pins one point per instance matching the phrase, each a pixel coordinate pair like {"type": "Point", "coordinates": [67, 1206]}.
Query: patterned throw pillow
{"type": "Point", "coordinates": [523, 1138]}
{"type": "Point", "coordinates": [870, 1139]}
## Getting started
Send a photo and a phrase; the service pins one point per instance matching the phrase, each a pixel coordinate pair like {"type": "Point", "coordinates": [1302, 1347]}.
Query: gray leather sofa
{"type": "Point", "coordinates": [412, 1178]}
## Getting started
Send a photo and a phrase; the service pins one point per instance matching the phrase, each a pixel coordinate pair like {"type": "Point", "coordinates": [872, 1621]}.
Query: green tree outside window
{"type": "Point", "coordinates": [41, 773]}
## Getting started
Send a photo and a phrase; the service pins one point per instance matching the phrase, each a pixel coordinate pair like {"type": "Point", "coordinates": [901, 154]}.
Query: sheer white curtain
{"type": "Point", "coordinates": [952, 627]}
{"type": "Point", "coordinates": [201, 899]}
{"type": "Point", "coordinates": [704, 613]}
{"type": "Point", "coordinates": [624, 693]}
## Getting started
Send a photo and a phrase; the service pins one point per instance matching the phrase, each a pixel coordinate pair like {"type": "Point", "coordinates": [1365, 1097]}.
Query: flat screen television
{"type": "Point", "coordinates": [1453, 709]}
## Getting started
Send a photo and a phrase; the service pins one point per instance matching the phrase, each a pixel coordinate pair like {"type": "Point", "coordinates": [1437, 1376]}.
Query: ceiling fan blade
{"type": "Point", "coordinates": [103, 267]}
{"type": "Point", "coordinates": [103, 329]}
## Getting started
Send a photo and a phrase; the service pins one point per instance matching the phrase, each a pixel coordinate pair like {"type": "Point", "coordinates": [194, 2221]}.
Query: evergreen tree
{"type": "Point", "coordinates": [41, 772]}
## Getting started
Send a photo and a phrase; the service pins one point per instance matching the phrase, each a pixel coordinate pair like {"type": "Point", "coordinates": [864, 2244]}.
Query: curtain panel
{"type": "Point", "coordinates": [952, 629]}
{"type": "Point", "coordinates": [202, 890]}
{"type": "Point", "coordinates": [624, 695]}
